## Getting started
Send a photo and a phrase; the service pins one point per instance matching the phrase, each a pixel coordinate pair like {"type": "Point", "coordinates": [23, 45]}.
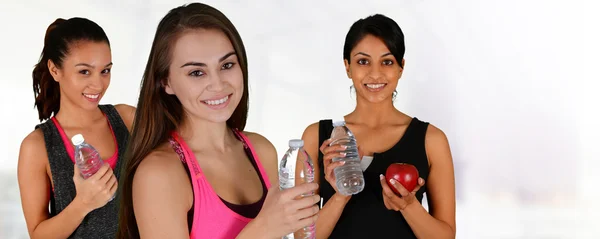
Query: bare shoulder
{"type": "Point", "coordinates": [261, 144]}
{"type": "Point", "coordinates": [33, 149]}
{"type": "Point", "coordinates": [33, 140]}
{"type": "Point", "coordinates": [125, 108]}
{"type": "Point", "coordinates": [161, 165]}
{"type": "Point", "coordinates": [311, 131]}
{"type": "Point", "coordinates": [311, 140]}
{"type": "Point", "coordinates": [127, 113]}
{"type": "Point", "coordinates": [257, 139]}
{"type": "Point", "coordinates": [160, 173]}
{"type": "Point", "coordinates": [435, 136]}
{"type": "Point", "coordinates": [436, 145]}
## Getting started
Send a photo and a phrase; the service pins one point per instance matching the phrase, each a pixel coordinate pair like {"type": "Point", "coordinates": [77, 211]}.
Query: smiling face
{"type": "Point", "coordinates": [205, 75]}
{"type": "Point", "coordinates": [373, 69]}
{"type": "Point", "coordinates": [84, 74]}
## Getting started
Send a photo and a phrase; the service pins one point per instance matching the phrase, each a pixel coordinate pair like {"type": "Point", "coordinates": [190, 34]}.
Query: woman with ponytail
{"type": "Point", "coordinates": [68, 82]}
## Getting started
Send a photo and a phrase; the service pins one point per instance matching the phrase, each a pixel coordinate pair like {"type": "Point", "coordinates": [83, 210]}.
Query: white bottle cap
{"type": "Point", "coordinates": [296, 143]}
{"type": "Point", "coordinates": [77, 139]}
{"type": "Point", "coordinates": [339, 123]}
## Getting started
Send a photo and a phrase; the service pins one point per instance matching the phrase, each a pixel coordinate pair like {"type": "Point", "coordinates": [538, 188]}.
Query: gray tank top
{"type": "Point", "coordinates": [102, 222]}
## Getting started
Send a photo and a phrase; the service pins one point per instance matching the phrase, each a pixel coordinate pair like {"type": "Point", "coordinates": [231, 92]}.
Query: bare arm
{"type": "Point", "coordinates": [35, 186]}
{"type": "Point", "coordinates": [441, 223]}
{"type": "Point", "coordinates": [162, 196]}
{"type": "Point", "coordinates": [127, 113]}
{"type": "Point", "coordinates": [332, 210]}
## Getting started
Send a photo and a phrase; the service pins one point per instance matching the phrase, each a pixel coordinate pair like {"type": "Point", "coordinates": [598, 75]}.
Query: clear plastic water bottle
{"type": "Point", "coordinates": [87, 158]}
{"type": "Point", "coordinates": [297, 156]}
{"type": "Point", "coordinates": [349, 177]}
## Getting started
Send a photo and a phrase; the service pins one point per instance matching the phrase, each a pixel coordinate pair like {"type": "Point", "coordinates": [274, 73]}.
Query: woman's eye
{"type": "Point", "coordinates": [226, 66]}
{"type": "Point", "coordinates": [196, 73]}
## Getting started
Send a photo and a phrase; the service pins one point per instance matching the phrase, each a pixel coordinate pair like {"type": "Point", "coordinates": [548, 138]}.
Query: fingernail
{"type": "Point", "coordinates": [343, 154]}
{"type": "Point", "coordinates": [343, 162]}
{"type": "Point", "coordinates": [381, 176]}
{"type": "Point", "coordinates": [392, 181]}
{"type": "Point", "coordinates": [344, 147]}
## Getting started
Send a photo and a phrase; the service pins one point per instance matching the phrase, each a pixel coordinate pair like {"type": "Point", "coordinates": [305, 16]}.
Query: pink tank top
{"type": "Point", "coordinates": [212, 219]}
{"type": "Point", "coordinates": [112, 161]}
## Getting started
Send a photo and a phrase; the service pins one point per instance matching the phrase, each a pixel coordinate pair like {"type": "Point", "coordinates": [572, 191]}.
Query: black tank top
{"type": "Point", "coordinates": [365, 215]}
{"type": "Point", "coordinates": [102, 222]}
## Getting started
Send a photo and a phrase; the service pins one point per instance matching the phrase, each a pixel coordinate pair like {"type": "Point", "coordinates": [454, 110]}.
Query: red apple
{"type": "Point", "coordinates": [405, 174]}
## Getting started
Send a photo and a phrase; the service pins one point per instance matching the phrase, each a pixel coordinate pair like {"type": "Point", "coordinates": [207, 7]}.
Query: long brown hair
{"type": "Point", "coordinates": [59, 36]}
{"type": "Point", "coordinates": [159, 113]}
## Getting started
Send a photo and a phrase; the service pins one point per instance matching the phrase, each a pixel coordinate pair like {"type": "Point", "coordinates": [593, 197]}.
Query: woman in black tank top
{"type": "Point", "coordinates": [69, 80]}
{"type": "Point", "coordinates": [374, 60]}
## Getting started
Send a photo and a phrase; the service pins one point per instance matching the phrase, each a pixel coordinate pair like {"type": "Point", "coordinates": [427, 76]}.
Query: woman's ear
{"type": "Point", "coordinates": [54, 71]}
{"type": "Point", "coordinates": [347, 65]}
{"type": "Point", "coordinates": [165, 84]}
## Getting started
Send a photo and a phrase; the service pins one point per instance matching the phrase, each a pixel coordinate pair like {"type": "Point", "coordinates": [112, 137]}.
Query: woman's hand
{"type": "Point", "coordinates": [287, 211]}
{"type": "Point", "coordinates": [395, 202]}
{"type": "Point", "coordinates": [97, 190]}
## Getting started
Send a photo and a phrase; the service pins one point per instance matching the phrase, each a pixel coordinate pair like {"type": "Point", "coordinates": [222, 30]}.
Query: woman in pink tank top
{"type": "Point", "coordinates": [191, 171]}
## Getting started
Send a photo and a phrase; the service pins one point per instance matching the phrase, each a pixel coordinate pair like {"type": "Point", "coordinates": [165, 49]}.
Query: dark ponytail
{"type": "Point", "coordinates": [46, 90]}
{"type": "Point", "coordinates": [59, 35]}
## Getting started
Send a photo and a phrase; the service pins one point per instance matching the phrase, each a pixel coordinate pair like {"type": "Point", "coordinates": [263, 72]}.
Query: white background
{"type": "Point", "coordinates": [512, 83]}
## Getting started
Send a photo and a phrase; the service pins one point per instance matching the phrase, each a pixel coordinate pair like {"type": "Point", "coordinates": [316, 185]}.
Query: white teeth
{"type": "Point", "coordinates": [375, 86]}
{"type": "Point", "coordinates": [91, 96]}
{"type": "Point", "coordinates": [216, 102]}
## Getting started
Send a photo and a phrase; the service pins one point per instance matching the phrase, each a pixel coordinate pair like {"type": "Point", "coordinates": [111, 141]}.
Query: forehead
{"type": "Point", "coordinates": [90, 52]}
{"type": "Point", "coordinates": [203, 45]}
{"type": "Point", "coordinates": [371, 45]}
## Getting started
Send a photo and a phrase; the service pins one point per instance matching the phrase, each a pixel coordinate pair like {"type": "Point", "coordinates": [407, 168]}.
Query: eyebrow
{"type": "Point", "coordinates": [90, 66]}
{"type": "Point", "coordinates": [192, 63]}
{"type": "Point", "coordinates": [365, 54]}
